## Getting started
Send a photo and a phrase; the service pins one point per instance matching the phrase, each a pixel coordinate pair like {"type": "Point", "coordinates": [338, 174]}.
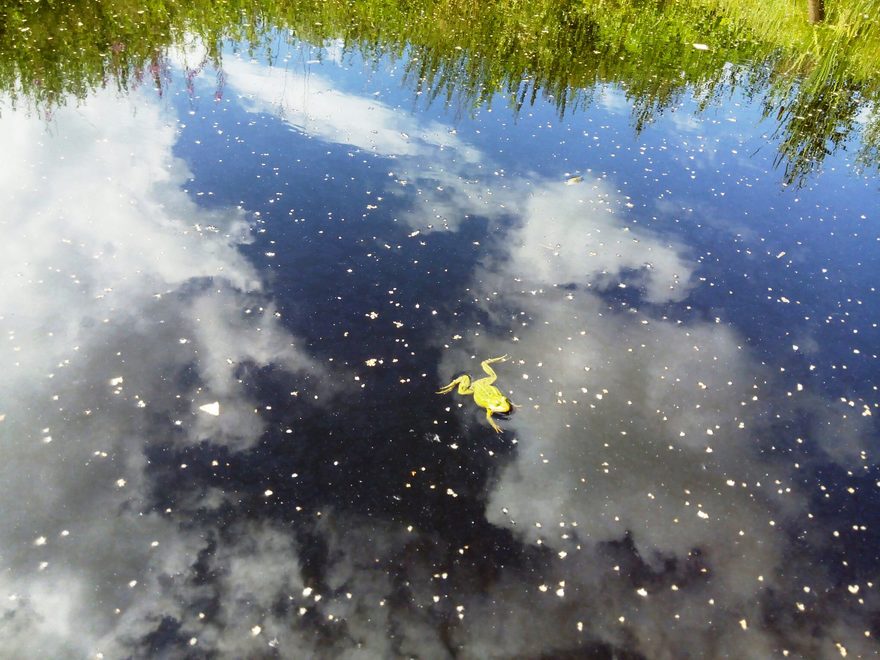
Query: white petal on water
{"type": "Point", "coordinates": [700, 46]}
{"type": "Point", "coordinates": [211, 408]}
{"type": "Point", "coordinates": [256, 630]}
{"type": "Point", "coordinates": [116, 381]}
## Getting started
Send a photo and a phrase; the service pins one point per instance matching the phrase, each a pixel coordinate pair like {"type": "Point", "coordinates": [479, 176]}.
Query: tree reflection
{"type": "Point", "coordinates": [817, 78]}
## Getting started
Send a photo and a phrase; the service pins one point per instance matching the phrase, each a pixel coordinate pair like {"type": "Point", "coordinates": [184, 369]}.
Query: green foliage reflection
{"type": "Point", "coordinates": [817, 81]}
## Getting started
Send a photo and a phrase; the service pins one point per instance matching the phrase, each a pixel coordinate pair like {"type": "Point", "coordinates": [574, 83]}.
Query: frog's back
{"type": "Point", "coordinates": [486, 395]}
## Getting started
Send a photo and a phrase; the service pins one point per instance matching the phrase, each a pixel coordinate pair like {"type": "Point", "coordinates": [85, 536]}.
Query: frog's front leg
{"type": "Point", "coordinates": [492, 421]}
{"type": "Point", "coordinates": [492, 375]}
{"type": "Point", "coordinates": [464, 386]}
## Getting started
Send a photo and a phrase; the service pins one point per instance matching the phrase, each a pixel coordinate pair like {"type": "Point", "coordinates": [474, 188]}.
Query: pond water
{"type": "Point", "coordinates": [235, 277]}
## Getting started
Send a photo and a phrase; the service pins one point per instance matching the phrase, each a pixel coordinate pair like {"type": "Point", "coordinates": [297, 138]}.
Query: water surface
{"type": "Point", "coordinates": [235, 277]}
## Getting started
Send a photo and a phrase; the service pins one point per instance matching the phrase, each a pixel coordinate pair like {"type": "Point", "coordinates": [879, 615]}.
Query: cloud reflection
{"type": "Point", "coordinates": [125, 308]}
{"type": "Point", "coordinates": [310, 103]}
{"type": "Point", "coordinates": [649, 460]}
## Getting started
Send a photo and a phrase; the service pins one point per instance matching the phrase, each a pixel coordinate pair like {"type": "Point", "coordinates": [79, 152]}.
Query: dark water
{"type": "Point", "coordinates": [226, 310]}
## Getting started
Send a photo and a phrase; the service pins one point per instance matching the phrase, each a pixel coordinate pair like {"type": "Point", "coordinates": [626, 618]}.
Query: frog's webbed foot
{"type": "Point", "coordinates": [492, 421]}
{"type": "Point", "coordinates": [463, 383]}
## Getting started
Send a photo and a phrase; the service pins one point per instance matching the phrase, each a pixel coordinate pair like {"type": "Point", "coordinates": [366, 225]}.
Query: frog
{"type": "Point", "coordinates": [486, 395]}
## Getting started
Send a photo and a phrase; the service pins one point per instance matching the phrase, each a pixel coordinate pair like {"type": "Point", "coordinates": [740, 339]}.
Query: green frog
{"type": "Point", "coordinates": [486, 395]}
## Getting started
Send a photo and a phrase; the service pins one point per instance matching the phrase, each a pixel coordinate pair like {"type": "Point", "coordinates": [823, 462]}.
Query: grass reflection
{"type": "Point", "coordinates": [814, 71]}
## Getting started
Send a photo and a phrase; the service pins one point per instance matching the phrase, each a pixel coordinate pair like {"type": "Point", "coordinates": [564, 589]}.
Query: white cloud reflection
{"type": "Point", "coordinates": [311, 104]}
{"type": "Point", "coordinates": [115, 286]}
{"type": "Point", "coordinates": [636, 428]}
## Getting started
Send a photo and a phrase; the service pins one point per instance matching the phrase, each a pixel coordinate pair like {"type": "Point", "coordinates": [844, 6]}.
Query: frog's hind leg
{"type": "Point", "coordinates": [489, 370]}
{"type": "Point", "coordinates": [492, 421]}
{"type": "Point", "coordinates": [464, 386]}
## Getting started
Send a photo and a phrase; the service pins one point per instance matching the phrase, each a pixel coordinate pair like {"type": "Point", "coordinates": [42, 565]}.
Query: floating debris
{"type": "Point", "coordinates": [211, 408]}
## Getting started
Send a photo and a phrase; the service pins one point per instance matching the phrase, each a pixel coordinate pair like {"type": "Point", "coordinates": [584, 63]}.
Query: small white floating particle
{"type": "Point", "coordinates": [794, 347]}
{"type": "Point", "coordinates": [853, 588]}
{"type": "Point", "coordinates": [780, 255]}
{"type": "Point", "coordinates": [211, 408]}
{"type": "Point", "coordinates": [40, 540]}
{"type": "Point", "coordinates": [267, 493]}
{"type": "Point", "coordinates": [642, 592]}
{"type": "Point", "coordinates": [542, 588]}
{"type": "Point", "coordinates": [307, 592]}
{"type": "Point", "coordinates": [702, 514]}
{"type": "Point", "coordinates": [744, 624]}
{"type": "Point", "coordinates": [560, 592]}
{"type": "Point", "coordinates": [193, 641]}
{"type": "Point", "coordinates": [120, 483]}
{"type": "Point", "coordinates": [563, 554]}
{"type": "Point", "coordinates": [373, 315]}
{"type": "Point", "coordinates": [371, 362]}
{"type": "Point", "coordinates": [116, 381]}
{"type": "Point", "coordinates": [451, 492]}
{"type": "Point", "coordinates": [580, 626]}
{"type": "Point", "coordinates": [256, 630]}
{"type": "Point", "coordinates": [730, 482]}
{"type": "Point", "coordinates": [700, 46]}
{"type": "Point", "coordinates": [2, 416]}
